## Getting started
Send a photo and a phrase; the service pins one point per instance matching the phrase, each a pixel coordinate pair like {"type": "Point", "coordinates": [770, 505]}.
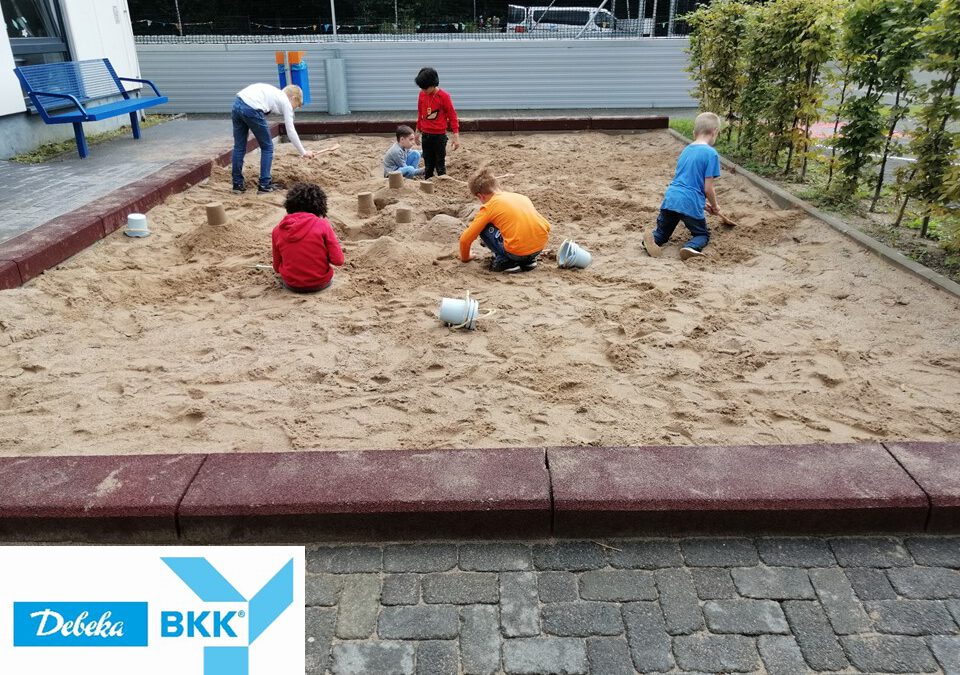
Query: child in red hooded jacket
{"type": "Point", "coordinates": [304, 243]}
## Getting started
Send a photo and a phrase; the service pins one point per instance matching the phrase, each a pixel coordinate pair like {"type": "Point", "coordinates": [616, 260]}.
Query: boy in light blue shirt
{"type": "Point", "coordinates": [401, 157]}
{"type": "Point", "coordinates": [691, 187]}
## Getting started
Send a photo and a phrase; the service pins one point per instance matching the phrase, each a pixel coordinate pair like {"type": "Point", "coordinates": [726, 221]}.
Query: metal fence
{"type": "Point", "coordinates": [372, 20]}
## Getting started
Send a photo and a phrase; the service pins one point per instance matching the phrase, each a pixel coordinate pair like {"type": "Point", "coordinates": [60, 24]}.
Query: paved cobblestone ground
{"type": "Point", "coordinates": [688, 605]}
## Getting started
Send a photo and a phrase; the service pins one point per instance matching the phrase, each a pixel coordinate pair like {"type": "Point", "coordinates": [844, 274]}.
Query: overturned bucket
{"type": "Point", "coordinates": [459, 312]}
{"type": "Point", "coordinates": [137, 225]}
{"type": "Point", "coordinates": [571, 255]}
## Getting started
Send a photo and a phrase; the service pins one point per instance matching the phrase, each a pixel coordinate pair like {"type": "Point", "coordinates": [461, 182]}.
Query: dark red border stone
{"type": "Point", "coordinates": [374, 493]}
{"type": "Point", "coordinates": [936, 469]}
{"type": "Point", "coordinates": [551, 123]}
{"type": "Point", "coordinates": [93, 497]}
{"type": "Point", "coordinates": [788, 488]}
{"type": "Point", "coordinates": [495, 124]}
{"type": "Point", "coordinates": [44, 247]}
{"type": "Point", "coordinates": [9, 274]}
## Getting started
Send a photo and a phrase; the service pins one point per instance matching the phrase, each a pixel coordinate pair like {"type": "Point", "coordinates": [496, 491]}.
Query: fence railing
{"type": "Point", "coordinates": [341, 21]}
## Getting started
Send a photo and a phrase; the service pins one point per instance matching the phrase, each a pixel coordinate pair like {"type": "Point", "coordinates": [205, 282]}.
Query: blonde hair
{"type": "Point", "coordinates": [295, 94]}
{"type": "Point", "coordinates": [483, 182]}
{"type": "Point", "coordinates": [706, 123]}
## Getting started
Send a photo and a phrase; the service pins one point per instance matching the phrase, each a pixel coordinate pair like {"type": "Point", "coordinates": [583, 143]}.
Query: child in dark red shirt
{"type": "Point", "coordinates": [434, 110]}
{"type": "Point", "coordinates": [304, 243]}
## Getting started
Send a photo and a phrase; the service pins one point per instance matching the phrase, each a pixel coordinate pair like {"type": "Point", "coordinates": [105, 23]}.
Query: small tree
{"type": "Point", "coordinates": [716, 56]}
{"type": "Point", "coordinates": [900, 55]}
{"type": "Point", "coordinates": [935, 144]}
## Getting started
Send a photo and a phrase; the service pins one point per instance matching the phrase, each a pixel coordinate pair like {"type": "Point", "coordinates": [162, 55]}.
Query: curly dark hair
{"type": "Point", "coordinates": [426, 78]}
{"type": "Point", "coordinates": [306, 198]}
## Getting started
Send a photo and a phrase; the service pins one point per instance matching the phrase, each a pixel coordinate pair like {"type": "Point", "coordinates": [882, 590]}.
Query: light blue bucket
{"type": "Point", "coordinates": [571, 255]}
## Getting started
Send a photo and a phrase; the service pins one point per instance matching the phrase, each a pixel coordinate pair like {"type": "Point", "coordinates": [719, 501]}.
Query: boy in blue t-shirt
{"type": "Point", "coordinates": [692, 185]}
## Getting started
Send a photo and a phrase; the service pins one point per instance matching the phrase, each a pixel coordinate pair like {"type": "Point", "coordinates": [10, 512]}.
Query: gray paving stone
{"type": "Point", "coordinates": [557, 586]}
{"type": "Point", "coordinates": [363, 658]}
{"type": "Point", "coordinates": [543, 656]}
{"type": "Point", "coordinates": [911, 617]}
{"type": "Point", "coordinates": [781, 655]}
{"type": "Point", "coordinates": [953, 606]}
{"type": "Point", "coordinates": [713, 583]}
{"type": "Point", "coordinates": [582, 619]}
{"type": "Point", "coordinates": [420, 622]}
{"type": "Point", "coordinates": [480, 640]}
{"type": "Point", "coordinates": [650, 645]}
{"type": "Point", "coordinates": [322, 589]}
{"type": "Point", "coordinates": [870, 552]}
{"type": "Point", "coordinates": [745, 617]}
{"type": "Point", "coordinates": [813, 632]}
{"type": "Point", "coordinates": [609, 655]}
{"type": "Point", "coordinates": [344, 559]}
{"type": "Point", "coordinates": [617, 585]}
{"type": "Point", "coordinates": [318, 636]}
{"type": "Point", "coordinates": [795, 552]}
{"type": "Point", "coordinates": [359, 603]}
{"type": "Point", "coordinates": [716, 653]}
{"type": "Point", "coordinates": [679, 601]}
{"type": "Point", "coordinates": [493, 557]}
{"type": "Point", "coordinates": [776, 583]}
{"type": "Point", "coordinates": [947, 652]}
{"type": "Point", "coordinates": [842, 608]}
{"type": "Point", "coordinates": [419, 557]}
{"type": "Point", "coordinates": [928, 583]}
{"type": "Point", "coordinates": [519, 610]}
{"type": "Point", "coordinates": [400, 589]}
{"type": "Point", "coordinates": [648, 554]}
{"type": "Point", "coordinates": [573, 556]}
{"type": "Point", "coordinates": [719, 552]}
{"type": "Point", "coordinates": [870, 584]}
{"type": "Point", "coordinates": [437, 657]}
{"type": "Point", "coordinates": [460, 588]}
{"type": "Point", "coordinates": [889, 654]}
{"type": "Point", "coordinates": [935, 551]}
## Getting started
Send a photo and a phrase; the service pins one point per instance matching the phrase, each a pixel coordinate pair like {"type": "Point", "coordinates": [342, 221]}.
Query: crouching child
{"type": "Point", "coordinates": [305, 247]}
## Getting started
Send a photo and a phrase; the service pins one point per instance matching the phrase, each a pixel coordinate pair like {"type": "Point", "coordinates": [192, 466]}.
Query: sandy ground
{"type": "Point", "coordinates": [785, 333]}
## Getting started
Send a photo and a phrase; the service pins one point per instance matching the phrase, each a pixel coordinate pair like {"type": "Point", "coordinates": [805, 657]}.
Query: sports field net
{"type": "Point", "coordinates": [247, 21]}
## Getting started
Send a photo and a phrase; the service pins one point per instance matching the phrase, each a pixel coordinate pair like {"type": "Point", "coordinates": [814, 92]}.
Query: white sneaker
{"type": "Point", "coordinates": [649, 245]}
{"type": "Point", "coordinates": [686, 253]}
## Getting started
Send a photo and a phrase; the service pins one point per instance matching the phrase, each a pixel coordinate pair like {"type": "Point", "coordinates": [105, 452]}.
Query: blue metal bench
{"type": "Point", "coordinates": [61, 93]}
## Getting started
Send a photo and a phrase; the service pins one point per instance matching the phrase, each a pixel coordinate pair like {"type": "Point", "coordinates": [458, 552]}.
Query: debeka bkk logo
{"type": "Point", "coordinates": [210, 586]}
{"type": "Point", "coordinates": [79, 624]}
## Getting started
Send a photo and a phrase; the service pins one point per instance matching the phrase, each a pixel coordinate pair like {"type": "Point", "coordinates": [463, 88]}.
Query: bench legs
{"type": "Point", "coordinates": [81, 139]}
{"type": "Point", "coordinates": [135, 123]}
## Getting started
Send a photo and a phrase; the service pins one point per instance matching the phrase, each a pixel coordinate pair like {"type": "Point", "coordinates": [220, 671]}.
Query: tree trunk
{"type": "Point", "coordinates": [836, 123]}
{"type": "Point", "coordinates": [923, 227]}
{"type": "Point", "coordinates": [903, 208]}
{"type": "Point", "coordinates": [886, 146]}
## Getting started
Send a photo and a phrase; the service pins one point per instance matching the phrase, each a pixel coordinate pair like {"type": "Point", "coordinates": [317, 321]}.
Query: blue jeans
{"type": "Point", "coordinates": [667, 223]}
{"type": "Point", "coordinates": [413, 163]}
{"type": "Point", "coordinates": [245, 120]}
{"type": "Point", "coordinates": [493, 240]}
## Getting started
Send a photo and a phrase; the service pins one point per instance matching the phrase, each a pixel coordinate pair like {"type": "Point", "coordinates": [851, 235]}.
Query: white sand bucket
{"type": "Point", "coordinates": [137, 225]}
{"type": "Point", "coordinates": [571, 255]}
{"type": "Point", "coordinates": [459, 312]}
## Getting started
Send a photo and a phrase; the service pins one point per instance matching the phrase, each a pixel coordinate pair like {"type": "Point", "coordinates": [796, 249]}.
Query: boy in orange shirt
{"type": "Point", "coordinates": [507, 224]}
{"type": "Point", "coordinates": [435, 112]}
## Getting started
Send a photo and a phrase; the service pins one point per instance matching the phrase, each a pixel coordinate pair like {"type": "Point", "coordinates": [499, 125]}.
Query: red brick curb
{"type": "Point", "coordinates": [496, 493]}
{"type": "Point", "coordinates": [609, 122]}
{"type": "Point", "coordinates": [32, 253]}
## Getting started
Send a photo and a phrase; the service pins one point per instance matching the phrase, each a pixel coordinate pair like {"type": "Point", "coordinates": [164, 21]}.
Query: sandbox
{"type": "Point", "coordinates": [176, 343]}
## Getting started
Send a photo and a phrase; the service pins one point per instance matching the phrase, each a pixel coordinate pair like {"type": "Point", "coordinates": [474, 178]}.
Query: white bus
{"type": "Point", "coordinates": [559, 20]}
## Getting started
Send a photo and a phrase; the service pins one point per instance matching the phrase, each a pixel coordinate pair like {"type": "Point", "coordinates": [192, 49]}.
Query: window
{"type": "Point", "coordinates": [35, 29]}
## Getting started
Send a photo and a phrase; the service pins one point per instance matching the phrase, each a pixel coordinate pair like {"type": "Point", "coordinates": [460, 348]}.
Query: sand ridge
{"type": "Point", "coordinates": [785, 333]}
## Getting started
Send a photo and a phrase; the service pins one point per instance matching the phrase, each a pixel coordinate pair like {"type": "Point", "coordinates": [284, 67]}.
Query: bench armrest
{"type": "Point", "coordinates": [69, 97]}
{"type": "Point", "coordinates": [133, 79]}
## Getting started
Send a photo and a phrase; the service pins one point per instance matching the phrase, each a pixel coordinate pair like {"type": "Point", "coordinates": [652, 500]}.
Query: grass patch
{"type": "Point", "coordinates": [51, 150]}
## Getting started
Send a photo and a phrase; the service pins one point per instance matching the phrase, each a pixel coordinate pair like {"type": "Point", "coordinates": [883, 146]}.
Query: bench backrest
{"type": "Point", "coordinates": [86, 80]}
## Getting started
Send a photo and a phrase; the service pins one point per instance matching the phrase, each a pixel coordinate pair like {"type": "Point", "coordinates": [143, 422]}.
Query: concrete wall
{"type": "Point", "coordinates": [596, 74]}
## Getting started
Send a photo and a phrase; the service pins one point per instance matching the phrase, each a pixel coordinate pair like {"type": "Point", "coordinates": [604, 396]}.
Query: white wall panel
{"type": "Point", "coordinates": [543, 74]}
{"type": "Point", "coordinates": [11, 96]}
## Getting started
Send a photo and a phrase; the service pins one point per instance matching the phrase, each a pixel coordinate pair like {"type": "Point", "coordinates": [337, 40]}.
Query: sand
{"type": "Point", "coordinates": [785, 333]}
